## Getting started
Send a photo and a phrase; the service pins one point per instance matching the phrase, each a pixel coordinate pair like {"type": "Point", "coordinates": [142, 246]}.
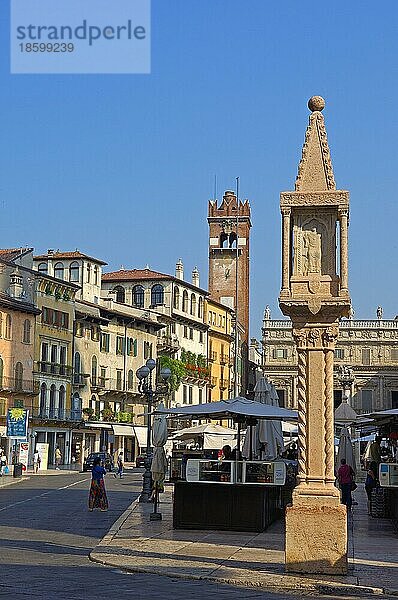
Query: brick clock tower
{"type": "Point", "coordinates": [224, 220]}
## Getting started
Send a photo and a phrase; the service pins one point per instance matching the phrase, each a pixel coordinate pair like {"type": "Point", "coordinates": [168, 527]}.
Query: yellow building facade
{"type": "Point", "coordinates": [220, 356]}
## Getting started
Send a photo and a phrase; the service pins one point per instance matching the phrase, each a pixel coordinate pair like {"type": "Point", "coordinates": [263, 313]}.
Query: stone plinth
{"type": "Point", "coordinates": [316, 536]}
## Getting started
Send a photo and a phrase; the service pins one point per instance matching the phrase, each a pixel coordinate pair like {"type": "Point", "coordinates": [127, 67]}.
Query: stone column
{"type": "Point", "coordinates": [285, 251]}
{"type": "Point", "coordinates": [316, 512]}
{"type": "Point", "coordinates": [343, 250]}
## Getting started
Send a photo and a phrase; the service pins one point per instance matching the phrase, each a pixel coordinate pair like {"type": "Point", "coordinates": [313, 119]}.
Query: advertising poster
{"type": "Point", "coordinates": [17, 423]}
{"type": "Point", "coordinates": [23, 454]}
{"type": "Point", "coordinates": [42, 449]}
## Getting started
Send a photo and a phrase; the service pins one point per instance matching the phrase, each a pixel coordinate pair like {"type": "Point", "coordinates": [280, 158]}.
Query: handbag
{"type": "Point", "coordinates": [6, 470]}
{"type": "Point", "coordinates": [353, 486]}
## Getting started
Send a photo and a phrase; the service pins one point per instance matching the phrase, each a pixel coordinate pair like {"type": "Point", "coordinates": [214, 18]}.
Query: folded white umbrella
{"type": "Point", "coordinates": [159, 438]}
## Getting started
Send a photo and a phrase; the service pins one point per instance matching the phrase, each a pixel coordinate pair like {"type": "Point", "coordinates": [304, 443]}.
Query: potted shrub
{"type": "Point", "coordinates": [88, 413]}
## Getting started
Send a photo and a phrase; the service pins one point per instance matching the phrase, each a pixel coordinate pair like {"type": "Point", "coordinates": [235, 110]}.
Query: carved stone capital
{"type": "Point", "coordinates": [330, 336]}
{"type": "Point", "coordinates": [286, 212]}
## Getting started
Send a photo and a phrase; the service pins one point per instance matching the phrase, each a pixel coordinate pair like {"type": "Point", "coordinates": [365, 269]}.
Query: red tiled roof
{"type": "Point", "coordinates": [13, 253]}
{"type": "Point", "coordinates": [133, 274]}
{"type": "Point", "coordinates": [67, 255]}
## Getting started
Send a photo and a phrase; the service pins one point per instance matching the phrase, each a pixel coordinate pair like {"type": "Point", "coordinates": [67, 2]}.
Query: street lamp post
{"type": "Point", "coordinates": [145, 387]}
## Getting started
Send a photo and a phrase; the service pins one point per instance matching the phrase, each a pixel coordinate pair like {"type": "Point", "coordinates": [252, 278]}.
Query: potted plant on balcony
{"type": "Point", "coordinates": [107, 414]}
{"type": "Point", "coordinates": [88, 413]}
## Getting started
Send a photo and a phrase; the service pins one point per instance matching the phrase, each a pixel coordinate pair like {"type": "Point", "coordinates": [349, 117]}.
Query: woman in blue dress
{"type": "Point", "coordinates": [97, 497]}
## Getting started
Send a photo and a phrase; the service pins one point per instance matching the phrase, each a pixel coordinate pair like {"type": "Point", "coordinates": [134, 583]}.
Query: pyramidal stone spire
{"type": "Point", "coordinates": [315, 171]}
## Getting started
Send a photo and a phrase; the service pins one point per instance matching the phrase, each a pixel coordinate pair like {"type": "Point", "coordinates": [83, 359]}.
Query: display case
{"type": "Point", "coordinates": [266, 473]}
{"type": "Point", "coordinates": [210, 471]}
{"type": "Point", "coordinates": [388, 475]}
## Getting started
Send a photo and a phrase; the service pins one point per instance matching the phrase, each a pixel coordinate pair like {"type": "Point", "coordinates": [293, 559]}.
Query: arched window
{"type": "Point", "coordinates": [76, 407]}
{"type": "Point", "coordinates": [95, 275]}
{"type": "Point", "coordinates": [157, 295]}
{"type": "Point", "coordinates": [18, 376]}
{"type": "Point", "coordinates": [120, 295]}
{"type": "Point", "coordinates": [26, 331]}
{"type": "Point", "coordinates": [138, 296]}
{"type": "Point", "coordinates": [185, 301]}
{"type": "Point", "coordinates": [200, 308]}
{"type": "Point", "coordinates": [43, 399]}
{"type": "Point", "coordinates": [224, 240]}
{"type": "Point", "coordinates": [77, 369]}
{"type": "Point", "coordinates": [88, 273]}
{"type": "Point", "coordinates": [94, 364]}
{"type": "Point", "coordinates": [193, 304]}
{"type": "Point", "coordinates": [8, 331]}
{"type": "Point", "coordinates": [74, 272]}
{"type": "Point", "coordinates": [59, 271]}
{"type": "Point", "coordinates": [232, 240]}
{"type": "Point", "coordinates": [130, 380]}
{"type": "Point", "coordinates": [42, 268]}
{"type": "Point", "coordinates": [176, 300]}
{"type": "Point", "coordinates": [61, 402]}
{"type": "Point", "coordinates": [52, 401]}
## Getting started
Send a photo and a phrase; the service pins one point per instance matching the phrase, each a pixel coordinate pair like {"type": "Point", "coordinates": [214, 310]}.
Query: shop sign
{"type": "Point", "coordinates": [17, 423]}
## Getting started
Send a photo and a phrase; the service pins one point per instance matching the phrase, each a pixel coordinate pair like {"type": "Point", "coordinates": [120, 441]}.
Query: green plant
{"type": "Point", "coordinates": [88, 411]}
{"type": "Point", "coordinates": [177, 368]}
{"type": "Point", "coordinates": [123, 417]}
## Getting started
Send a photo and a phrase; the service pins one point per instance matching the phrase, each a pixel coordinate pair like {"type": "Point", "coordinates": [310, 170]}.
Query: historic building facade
{"type": "Point", "coordinates": [220, 355]}
{"type": "Point", "coordinates": [180, 306]}
{"type": "Point", "coordinates": [53, 416]}
{"type": "Point", "coordinates": [17, 330]}
{"type": "Point", "coordinates": [369, 347]}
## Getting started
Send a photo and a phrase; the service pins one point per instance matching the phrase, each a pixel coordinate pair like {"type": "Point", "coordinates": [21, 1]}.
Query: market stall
{"type": "Point", "coordinates": [231, 494]}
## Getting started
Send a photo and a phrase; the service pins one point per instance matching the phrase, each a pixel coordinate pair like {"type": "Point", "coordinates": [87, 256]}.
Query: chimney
{"type": "Point", "coordinates": [16, 286]}
{"type": "Point", "coordinates": [195, 277]}
{"type": "Point", "coordinates": [180, 270]}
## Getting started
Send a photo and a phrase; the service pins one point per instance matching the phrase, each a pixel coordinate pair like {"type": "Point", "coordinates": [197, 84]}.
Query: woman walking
{"type": "Point", "coordinates": [97, 497]}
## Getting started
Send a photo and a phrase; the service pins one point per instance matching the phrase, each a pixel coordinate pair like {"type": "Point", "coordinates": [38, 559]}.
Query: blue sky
{"type": "Point", "coordinates": [122, 166]}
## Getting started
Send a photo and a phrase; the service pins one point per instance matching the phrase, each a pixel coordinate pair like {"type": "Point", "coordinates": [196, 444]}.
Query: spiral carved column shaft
{"type": "Point", "coordinates": [302, 415]}
{"type": "Point", "coordinates": [329, 419]}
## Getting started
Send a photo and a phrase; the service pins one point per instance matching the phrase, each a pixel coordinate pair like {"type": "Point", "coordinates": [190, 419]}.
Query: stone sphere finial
{"type": "Point", "coordinates": [316, 103]}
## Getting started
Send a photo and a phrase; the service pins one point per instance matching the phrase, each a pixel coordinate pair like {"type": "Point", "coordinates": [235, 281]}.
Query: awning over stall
{"type": "Point", "coordinates": [126, 430]}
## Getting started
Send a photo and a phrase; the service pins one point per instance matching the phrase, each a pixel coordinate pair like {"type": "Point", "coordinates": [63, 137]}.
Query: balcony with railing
{"type": "Point", "coordinates": [223, 384]}
{"type": "Point", "coordinates": [49, 413]}
{"type": "Point", "coordinates": [224, 359]}
{"type": "Point", "coordinates": [15, 385]}
{"type": "Point", "coordinates": [213, 381]}
{"type": "Point", "coordinates": [80, 379]}
{"type": "Point", "coordinates": [54, 368]}
{"type": "Point", "coordinates": [168, 343]}
{"type": "Point", "coordinates": [212, 356]}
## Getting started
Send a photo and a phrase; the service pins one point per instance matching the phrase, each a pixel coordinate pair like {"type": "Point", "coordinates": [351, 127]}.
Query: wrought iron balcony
{"type": "Point", "coordinates": [212, 356]}
{"type": "Point", "coordinates": [54, 368]}
{"type": "Point", "coordinates": [14, 385]}
{"type": "Point", "coordinates": [55, 414]}
{"type": "Point", "coordinates": [223, 384]}
{"type": "Point", "coordinates": [224, 358]}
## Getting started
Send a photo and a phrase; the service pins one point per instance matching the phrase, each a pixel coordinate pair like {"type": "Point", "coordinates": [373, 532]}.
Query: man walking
{"type": "Point", "coordinates": [119, 466]}
{"type": "Point", "coordinates": [58, 457]}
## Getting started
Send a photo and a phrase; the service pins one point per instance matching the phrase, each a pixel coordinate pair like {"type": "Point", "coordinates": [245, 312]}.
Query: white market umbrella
{"type": "Point", "coordinates": [345, 450]}
{"type": "Point", "coordinates": [212, 435]}
{"type": "Point", "coordinates": [266, 434]}
{"type": "Point", "coordinates": [159, 439]}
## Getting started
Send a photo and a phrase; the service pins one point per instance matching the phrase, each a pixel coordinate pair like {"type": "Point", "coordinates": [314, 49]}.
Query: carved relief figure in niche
{"type": "Point", "coordinates": [312, 253]}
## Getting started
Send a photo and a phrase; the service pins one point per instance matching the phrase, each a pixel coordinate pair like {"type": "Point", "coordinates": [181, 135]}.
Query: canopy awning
{"type": "Point", "coordinates": [97, 425]}
{"type": "Point", "coordinates": [141, 435]}
{"type": "Point", "coordinates": [126, 430]}
{"type": "Point", "coordinates": [232, 408]}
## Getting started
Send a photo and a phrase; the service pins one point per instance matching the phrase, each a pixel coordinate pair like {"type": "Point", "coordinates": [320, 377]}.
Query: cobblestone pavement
{"type": "Point", "coordinates": [46, 534]}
